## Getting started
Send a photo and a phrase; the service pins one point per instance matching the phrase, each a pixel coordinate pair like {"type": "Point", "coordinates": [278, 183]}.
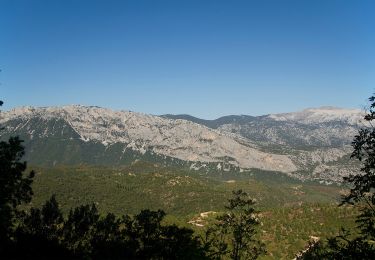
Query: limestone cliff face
{"type": "Point", "coordinates": [310, 144]}
{"type": "Point", "coordinates": [180, 139]}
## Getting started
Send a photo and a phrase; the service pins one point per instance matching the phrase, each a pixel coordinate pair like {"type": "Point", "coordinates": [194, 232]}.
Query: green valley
{"type": "Point", "coordinates": [291, 211]}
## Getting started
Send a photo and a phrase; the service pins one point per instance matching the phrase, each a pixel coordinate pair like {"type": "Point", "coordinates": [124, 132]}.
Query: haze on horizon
{"type": "Point", "coordinates": [188, 57]}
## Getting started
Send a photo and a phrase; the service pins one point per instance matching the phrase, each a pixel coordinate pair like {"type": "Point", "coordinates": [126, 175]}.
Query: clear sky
{"type": "Point", "coordinates": [205, 58]}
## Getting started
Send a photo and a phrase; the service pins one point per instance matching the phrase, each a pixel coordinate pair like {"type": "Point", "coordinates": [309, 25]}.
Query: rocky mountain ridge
{"type": "Point", "coordinates": [310, 144]}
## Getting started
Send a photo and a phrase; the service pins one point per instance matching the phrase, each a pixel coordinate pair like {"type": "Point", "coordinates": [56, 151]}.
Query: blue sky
{"type": "Point", "coordinates": [205, 58]}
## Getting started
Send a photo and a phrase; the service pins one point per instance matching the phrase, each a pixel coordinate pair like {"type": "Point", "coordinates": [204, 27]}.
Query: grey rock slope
{"type": "Point", "coordinates": [317, 140]}
{"type": "Point", "coordinates": [140, 133]}
{"type": "Point", "coordinates": [311, 144]}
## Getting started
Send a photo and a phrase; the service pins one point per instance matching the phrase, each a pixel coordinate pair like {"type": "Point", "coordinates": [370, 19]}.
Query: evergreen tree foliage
{"type": "Point", "coordinates": [235, 230]}
{"type": "Point", "coordinates": [84, 234]}
{"type": "Point", "coordinates": [15, 187]}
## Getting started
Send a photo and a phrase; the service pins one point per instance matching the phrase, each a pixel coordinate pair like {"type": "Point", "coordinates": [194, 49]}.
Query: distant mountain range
{"type": "Point", "coordinates": [313, 144]}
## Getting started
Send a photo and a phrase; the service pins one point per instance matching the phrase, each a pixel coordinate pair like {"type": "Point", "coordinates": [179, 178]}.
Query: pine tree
{"type": "Point", "coordinates": [15, 187]}
{"type": "Point", "coordinates": [234, 233]}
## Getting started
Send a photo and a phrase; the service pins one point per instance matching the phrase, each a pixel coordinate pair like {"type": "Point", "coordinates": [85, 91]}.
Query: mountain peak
{"type": "Point", "coordinates": [321, 115]}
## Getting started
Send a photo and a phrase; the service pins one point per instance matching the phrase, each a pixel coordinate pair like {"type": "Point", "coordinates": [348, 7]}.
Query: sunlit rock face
{"type": "Point", "coordinates": [306, 144]}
